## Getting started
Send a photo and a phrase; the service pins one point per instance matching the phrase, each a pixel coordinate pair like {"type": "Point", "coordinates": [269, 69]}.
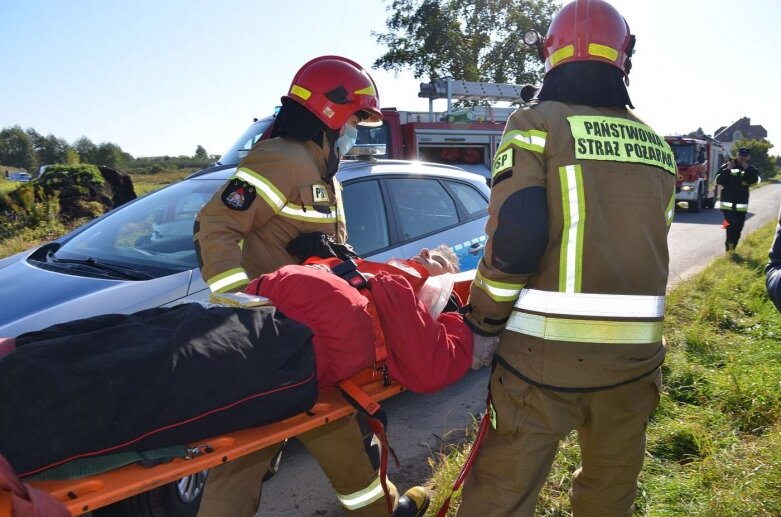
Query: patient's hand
{"type": "Point", "coordinates": [483, 350]}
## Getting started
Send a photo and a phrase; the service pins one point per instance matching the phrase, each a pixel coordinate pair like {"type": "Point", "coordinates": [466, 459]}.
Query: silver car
{"type": "Point", "coordinates": [141, 254]}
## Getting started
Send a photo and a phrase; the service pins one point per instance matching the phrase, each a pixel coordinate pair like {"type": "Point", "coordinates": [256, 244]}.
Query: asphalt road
{"type": "Point", "coordinates": [422, 425]}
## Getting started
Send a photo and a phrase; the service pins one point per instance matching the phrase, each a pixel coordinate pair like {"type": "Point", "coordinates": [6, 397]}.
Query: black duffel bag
{"type": "Point", "coordinates": [156, 378]}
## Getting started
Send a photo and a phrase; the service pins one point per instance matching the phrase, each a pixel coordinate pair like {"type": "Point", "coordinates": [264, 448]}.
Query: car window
{"type": "Point", "coordinates": [245, 142]}
{"type": "Point", "coordinates": [421, 205]}
{"type": "Point", "coordinates": [153, 234]}
{"type": "Point", "coordinates": [367, 222]}
{"type": "Point", "coordinates": [470, 198]}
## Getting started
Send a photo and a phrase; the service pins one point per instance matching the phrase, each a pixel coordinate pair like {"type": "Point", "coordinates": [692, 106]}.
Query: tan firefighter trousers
{"type": "Point", "coordinates": [515, 459]}
{"type": "Point", "coordinates": [233, 489]}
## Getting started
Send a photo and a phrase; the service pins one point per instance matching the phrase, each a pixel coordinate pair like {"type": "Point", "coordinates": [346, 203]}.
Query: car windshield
{"type": "Point", "coordinates": [152, 235]}
{"type": "Point", "coordinates": [245, 142]}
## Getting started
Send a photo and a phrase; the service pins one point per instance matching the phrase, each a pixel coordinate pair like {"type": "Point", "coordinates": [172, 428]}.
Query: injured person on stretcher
{"type": "Point", "coordinates": [399, 312]}
{"type": "Point", "coordinates": [167, 376]}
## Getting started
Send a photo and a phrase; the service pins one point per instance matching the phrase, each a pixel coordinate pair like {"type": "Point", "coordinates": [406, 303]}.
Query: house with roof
{"type": "Point", "coordinates": [742, 128]}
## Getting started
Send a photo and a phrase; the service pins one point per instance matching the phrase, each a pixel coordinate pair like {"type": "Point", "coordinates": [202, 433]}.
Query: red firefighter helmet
{"type": "Point", "coordinates": [334, 88]}
{"type": "Point", "coordinates": [588, 30]}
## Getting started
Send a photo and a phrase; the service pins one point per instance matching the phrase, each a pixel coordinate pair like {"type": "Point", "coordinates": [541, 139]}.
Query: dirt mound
{"type": "Point", "coordinates": [86, 190]}
{"type": "Point", "coordinates": [70, 191]}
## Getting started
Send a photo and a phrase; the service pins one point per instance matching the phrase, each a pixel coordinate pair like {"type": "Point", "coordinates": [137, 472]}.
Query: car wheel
{"type": "Point", "coordinates": [179, 499]}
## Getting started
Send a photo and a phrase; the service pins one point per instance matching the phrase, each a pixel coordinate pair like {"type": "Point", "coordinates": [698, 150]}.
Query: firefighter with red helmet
{"type": "Point", "coordinates": [572, 283]}
{"type": "Point", "coordinates": [284, 187]}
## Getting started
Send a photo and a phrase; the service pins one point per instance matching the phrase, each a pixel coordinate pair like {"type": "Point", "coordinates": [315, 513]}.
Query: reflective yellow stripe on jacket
{"type": "Point", "coordinates": [532, 140]}
{"type": "Point", "coordinates": [264, 187]}
{"type": "Point", "coordinates": [308, 213]}
{"type": "Point", "coordinates": [585, 331]}
{"type": "Point", "coordinates": [543, 314]}
{"type": "Point", "coordinates": [498, 291]}
{"type": "Point", "coordinates": [279, 203]}
{"type": "Point", "coordinates": [228, 280]}
{"type": "Point", "coordinates": [574, 211]}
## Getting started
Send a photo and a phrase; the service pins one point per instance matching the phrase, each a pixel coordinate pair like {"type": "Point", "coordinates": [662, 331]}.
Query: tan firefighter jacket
{"type": "Point", "coordinates": [587, 312]}
{"type": "Point", "coordinates": [278, 192]}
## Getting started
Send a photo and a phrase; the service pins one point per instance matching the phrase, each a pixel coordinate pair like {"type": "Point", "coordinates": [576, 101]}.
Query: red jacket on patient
{"type": "Point", "coordinates": [423, 354]}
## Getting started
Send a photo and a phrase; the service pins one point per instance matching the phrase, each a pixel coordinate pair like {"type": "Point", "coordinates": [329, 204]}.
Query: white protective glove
{"type": "Point", "coordinates": [484, 350]}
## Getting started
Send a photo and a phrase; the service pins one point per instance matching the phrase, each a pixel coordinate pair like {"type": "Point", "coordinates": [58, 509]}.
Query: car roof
{"type": "Point", "coordinates": [351, 169]}
{"type": "Point", "coordinates": [354, 169]}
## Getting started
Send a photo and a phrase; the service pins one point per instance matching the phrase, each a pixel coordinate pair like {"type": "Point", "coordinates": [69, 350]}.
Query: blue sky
{"type": "Point", "coordinates": [163, 76]}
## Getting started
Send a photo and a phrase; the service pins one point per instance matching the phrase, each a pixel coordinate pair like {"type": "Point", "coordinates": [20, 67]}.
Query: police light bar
{"type": "Point", "coordinates": [366, 150]}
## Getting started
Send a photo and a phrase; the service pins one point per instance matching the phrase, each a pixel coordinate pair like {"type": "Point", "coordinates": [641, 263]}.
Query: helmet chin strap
{"type": "Point", "coordinates": [630, 50]}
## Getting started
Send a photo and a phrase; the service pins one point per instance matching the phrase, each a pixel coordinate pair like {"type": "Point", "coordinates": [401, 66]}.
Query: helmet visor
{"type": "Point", "coordinates": [371, 117]}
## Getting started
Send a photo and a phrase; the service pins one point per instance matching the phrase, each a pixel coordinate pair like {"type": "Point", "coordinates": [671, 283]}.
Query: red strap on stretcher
{"type": "Point", "coordinates": [470, 459]}
{"type": "Point", "coordinates": [380, 351]}
{"type": "Point", "coordinates": [377, 420]}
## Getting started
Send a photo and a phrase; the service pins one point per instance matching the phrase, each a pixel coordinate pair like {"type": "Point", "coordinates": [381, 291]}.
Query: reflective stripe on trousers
{"type": "Point", "coordinates": [740, 207]}
{"type": "Point", "coordinates": [362, 497]}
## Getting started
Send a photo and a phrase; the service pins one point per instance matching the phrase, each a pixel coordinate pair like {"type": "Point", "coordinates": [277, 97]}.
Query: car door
{"type": "Point", "coordinates": [468, 241]}
{"type": "Point", "coordinates": [430, 211]}
{"type": "Point", "coordinates": [396, 216]}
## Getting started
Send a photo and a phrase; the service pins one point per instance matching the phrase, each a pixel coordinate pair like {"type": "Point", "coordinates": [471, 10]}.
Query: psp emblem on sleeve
{"type": "Point", "coordinates": [319, 193]}
{"type": "Point", "coordinates": [503, 161]}
{"type": "Point", "coordinates": [238, 195]}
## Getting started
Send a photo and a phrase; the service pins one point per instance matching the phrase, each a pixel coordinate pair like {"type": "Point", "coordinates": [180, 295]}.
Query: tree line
{"type": "Point", "coordinates": [28, 150]}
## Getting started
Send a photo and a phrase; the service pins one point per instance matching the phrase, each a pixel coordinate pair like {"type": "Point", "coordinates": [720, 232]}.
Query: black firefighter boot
{"type": "Point", "coordinates": [413, 503]}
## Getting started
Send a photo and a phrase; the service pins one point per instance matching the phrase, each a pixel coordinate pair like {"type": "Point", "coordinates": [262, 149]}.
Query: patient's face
{"type": "Point", "coordinates": [434, 262]}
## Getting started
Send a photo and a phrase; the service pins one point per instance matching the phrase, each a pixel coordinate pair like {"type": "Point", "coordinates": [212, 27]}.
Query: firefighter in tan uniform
{"type": "Point", "coordinates": [573, 278]}
{"type": "Point", "coordinates": [286, 186]}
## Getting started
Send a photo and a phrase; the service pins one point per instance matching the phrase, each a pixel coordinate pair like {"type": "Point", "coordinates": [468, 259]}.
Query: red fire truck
{"type": "Point", "coordinates": [467, 138]}
{"type": "Point", "coordinates": [698, 160]}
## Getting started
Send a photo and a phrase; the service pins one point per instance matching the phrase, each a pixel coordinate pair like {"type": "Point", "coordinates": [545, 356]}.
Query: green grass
{"type": "Point", "coordinates": [143, 184]}
{"type": "Point", "coordinates": [27, 238]}
{"type": "Point", "coordinates": [714, 442]}
{"type": "Point", "coordinates": [8, 186]}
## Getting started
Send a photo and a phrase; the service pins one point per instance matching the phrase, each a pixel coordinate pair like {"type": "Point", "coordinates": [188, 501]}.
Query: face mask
{"type": "Point", "coordinates": [346, 142]}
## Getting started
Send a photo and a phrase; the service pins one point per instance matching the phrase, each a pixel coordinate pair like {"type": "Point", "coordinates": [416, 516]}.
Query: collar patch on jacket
{"type": "Point", "coordinates": [238, 195]}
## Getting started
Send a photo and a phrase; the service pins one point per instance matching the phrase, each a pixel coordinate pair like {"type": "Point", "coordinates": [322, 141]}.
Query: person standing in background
{"type": "Point", "coordinates": [735, 177]}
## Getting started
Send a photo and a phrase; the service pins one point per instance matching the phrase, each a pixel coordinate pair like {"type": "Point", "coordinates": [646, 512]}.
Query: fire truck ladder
{"type": "Point", "coordinates": [448, 88]}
